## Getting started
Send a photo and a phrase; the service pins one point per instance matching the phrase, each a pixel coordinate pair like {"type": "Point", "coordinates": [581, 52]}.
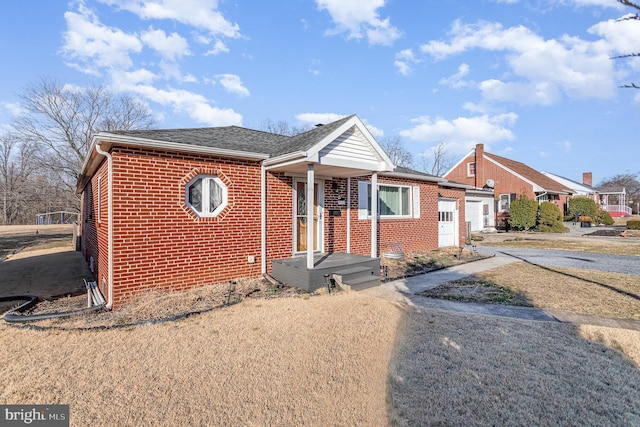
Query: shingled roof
{"type": "Point", "coordinates": [239, 139]}
{"type": "Point", "coordinates": [537, 178]}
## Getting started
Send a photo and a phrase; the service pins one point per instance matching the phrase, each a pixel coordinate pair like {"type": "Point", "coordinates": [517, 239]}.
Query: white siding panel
{"type": "Point", "coordinates": [351, 145]}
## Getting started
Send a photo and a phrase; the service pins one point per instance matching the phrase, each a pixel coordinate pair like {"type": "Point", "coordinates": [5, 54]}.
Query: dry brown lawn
{"type": "Point", "coordinates": [339, 359]}
{"type": "Point", "coordinates": [578, 291]}
{"type": "Point", "coordinates": [290, 361]}
{"type": "Point", "coordinates": [579, 245]}
{"type": "Point", "coordinates": [452, 369]}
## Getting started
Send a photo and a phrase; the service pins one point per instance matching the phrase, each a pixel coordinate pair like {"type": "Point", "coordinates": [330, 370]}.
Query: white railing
{"type": "Point", "coordinates": [617, 208]}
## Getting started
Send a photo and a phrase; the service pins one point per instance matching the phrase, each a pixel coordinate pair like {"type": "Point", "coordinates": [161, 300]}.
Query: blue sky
{"type": "Point", "coordinates": [532, 80]}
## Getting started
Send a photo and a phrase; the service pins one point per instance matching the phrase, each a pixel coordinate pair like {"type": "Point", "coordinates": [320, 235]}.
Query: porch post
{"type": "Point", "coordinates": [310, 206]}
{"type": "Point", "coordinates": [374, 215]}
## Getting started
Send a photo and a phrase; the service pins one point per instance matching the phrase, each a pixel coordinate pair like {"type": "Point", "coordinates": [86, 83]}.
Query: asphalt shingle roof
{"type": "Point", "coordinates": [532, 175]}
{"type": "Point", "coordinates": [239, 139]}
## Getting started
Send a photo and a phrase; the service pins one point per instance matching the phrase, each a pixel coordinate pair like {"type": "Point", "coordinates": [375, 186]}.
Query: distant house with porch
{"type": "Point", "coordinates": [508, 179]}
{"type": "Point", "coordinates": [612, 200]}
{"type": "Point", "coordinates": [179, 208]}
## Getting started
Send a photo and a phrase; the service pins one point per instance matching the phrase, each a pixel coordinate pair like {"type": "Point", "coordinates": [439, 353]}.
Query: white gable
{"type": "Point", "coordinates": [351, 146]}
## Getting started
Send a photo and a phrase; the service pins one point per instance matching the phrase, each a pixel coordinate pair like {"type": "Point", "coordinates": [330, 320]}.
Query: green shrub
{"type": "Point", "coordinates": [583, 206]}
{"type": "Point", "coordinates": [550, 218]}
{"type": "Point", "coordinates": [568, 218]}
{"type": "Point", "coordinates": [603, 217]}
{"type": "Point", "coordinates": [522, 213]}
{"type": "Point", "coordinates": [633, 224]}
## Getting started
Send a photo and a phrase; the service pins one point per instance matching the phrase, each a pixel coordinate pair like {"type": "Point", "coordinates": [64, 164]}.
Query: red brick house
{"type": "Point", "coordinates": [180, 208]}
{"type": "Point", "coordinates": [508, 178]}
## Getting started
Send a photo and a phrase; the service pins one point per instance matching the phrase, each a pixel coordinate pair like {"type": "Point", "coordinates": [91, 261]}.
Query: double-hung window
{"type": "Point", "coordinates": [394, 201]}
{"type": "Point", "coordinates": [206, 195]}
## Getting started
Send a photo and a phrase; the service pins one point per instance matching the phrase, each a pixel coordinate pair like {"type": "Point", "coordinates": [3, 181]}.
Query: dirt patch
{"type": "Point", "coordinates": [162, 305]}
{"type": "Point", "coordinates": [400, 265]}
{"type": "Point", "coordinates": [477, 290]}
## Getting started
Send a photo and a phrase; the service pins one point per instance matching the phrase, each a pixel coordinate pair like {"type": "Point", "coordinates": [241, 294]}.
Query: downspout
{"type": "Point", "coordinates": [349, 215]}
{"type": "Point", "coordinates": [263, 218]}
{"type": "Point", "coordinates": [110, 224]}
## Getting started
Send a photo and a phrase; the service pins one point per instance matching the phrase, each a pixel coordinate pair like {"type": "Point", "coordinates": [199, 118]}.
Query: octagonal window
{"type": "Point", "coordinates": [206, 195]}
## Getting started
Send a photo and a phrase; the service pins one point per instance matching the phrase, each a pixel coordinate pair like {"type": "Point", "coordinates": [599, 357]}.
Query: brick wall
{"type": "Point", "coordinates": [160, 243]}
{"type": "Point", "coordinates": [94, 237]}
{"type": "Point", "coordinates": [413, 234]}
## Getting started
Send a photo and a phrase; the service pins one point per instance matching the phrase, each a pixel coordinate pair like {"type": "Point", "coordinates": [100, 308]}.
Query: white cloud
{"type": "Point", "coordinates": [540, 71]}
{"type": "Point", "coordinates": [462, 133]}
{"type": "Point", "coordinates": [194, 105]}
{"type": "Point", "coordinates": [14, 108]}
{"type": "Point", "coordinates": [95, 45]}
{"type": "Point", "coordinates": [375, 131]}
{"type": "Point", "coordinates": [201, 14]}
{"type": "Point", "coordinates": [405, 59]}
{"type": "Point", "coordinates": [171, 47]}
{"type": "Point", "coordinates": [455, 81]}
{"type": "Point", "coordinates": [318, 118]}
{"type": "Point", "coordinates": [233, 84]}
{"type": "Point", "coordinates": [218, 48]}
{"type": "Point", "coordinates": [360, 18]}
{"type": "Point", "coordinates": [564, 146]}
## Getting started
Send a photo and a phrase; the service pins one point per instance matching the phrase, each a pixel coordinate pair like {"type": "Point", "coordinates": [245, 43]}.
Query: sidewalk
{"type": "Point", "coordinates": [407, 290]}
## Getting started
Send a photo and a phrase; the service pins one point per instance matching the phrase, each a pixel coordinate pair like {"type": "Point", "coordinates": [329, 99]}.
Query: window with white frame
{"type": "Point", "coordinates": [206, 195]}
{"type": "Point", "coordinates": [505, 202]}
{"type": "Point", "coordinates": [471, 169]}
{"type": "Point", "coordinates": [393, 200]}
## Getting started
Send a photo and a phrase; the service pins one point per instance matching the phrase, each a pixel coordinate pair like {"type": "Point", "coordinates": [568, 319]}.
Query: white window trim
{"type": "Point", "coordinates": [205, 195]}
{"type": "Point", "coordinates": [364, 202]}
{"type": "Point", "coordinates": [469, 174]}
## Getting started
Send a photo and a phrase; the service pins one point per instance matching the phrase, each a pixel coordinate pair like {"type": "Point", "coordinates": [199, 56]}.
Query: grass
{"type": "Point", "coordinates": [578, 291]}
{"type": "Point", "coordinates": [283, 361]}
{"type": "Point", "coordinates": [451, 369]}
{"type": "Point", "coordinates": [581, 245]}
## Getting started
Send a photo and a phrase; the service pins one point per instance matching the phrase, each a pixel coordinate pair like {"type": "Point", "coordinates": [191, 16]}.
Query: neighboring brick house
{"type": "Point", "coordinates": [508, 178]}
{"type": "Point", "coordinates": [175, 209]}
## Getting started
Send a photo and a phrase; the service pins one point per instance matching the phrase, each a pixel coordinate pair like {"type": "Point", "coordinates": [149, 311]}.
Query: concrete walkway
{"type": "Point", "coordinates": [407, 290]}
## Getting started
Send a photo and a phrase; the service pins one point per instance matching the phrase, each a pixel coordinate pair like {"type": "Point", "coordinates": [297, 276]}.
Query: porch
{"type": "Point", "coordinates": [355, 271]}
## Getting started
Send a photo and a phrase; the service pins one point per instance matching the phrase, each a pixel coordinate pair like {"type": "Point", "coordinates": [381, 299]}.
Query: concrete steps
{"type": "Point", "coordinates": [357, 278]}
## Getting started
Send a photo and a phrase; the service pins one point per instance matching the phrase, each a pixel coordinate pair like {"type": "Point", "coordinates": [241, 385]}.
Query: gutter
{"type": "Point", "coordinates": [110, 222]}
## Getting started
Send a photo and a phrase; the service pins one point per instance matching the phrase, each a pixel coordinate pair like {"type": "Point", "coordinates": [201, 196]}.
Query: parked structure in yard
{"type": "Point", "coordinates": [179, 208]}
{"type": "Point", "coordinates": [509, 179]}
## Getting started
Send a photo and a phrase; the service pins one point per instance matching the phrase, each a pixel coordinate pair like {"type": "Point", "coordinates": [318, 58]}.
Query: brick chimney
{"type": "Point", "coordinates": [480, 179]}
{"type": "Point", "coordinates": [587, 178]}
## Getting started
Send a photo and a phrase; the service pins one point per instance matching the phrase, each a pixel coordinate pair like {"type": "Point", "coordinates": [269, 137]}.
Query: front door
{"type": "Point", "coordinates": [300, 213]}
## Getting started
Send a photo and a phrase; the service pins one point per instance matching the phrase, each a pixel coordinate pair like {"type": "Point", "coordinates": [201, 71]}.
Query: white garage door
{"type": "Point", "coordinates": [473, 214]}
{"type": "Point", "coordinates": [447, 223]}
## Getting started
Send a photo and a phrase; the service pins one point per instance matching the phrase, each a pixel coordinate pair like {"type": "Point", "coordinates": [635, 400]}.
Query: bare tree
{"type": "Point", "coordinates": [396, 151]}
{"type": "Point", "coordinates": [281, 127]}
{"type": "Point", "coordinates": [61, 120]}
{"type": "Point", "coordinates": [437, 161]}
{"type": "Point", "coordinates": [17, 164]}
{"type": "Point", "coordinates": [633, 54]}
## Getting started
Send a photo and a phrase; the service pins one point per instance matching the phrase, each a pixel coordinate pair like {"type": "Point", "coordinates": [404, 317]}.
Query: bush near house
{"type": "Point", "coordinates": [522, 213]}
{"type": "Point", "coordinates": [633, 224]}
{"type": "Point", "coordinates": [550, 218]}
{"type": "Point", "coordinates": [603, 217]}
{"type": "Point", "coordinates": [583, 206]}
